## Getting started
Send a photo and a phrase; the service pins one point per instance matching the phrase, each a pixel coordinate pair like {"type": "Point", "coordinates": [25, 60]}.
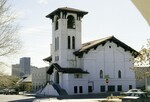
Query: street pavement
{"type": "Point", "coordinates": [16, 98]}
{"type": "Point", "coordinates": [76, 100]}
{"type": "Point", "coordinates": [99, 97]}
{"type": "Point", "coordinates": [68, 98]}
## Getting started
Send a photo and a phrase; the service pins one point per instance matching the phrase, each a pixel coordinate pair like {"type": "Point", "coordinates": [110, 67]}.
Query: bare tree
{"type": "Point", "coordinates": [144, 57]}
{"type": "Point", "coordinates": [7, 81]}
{"type": "Point", "coordinates": [142, 64]}
{"type": "Point", "coordinates": [143, 60]}
{"type": "Point", "coordinates": [9, 41]}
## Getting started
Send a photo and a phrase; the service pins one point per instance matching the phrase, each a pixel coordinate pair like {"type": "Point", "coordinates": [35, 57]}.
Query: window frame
{"type": "Point", "coordinates": [101, 74]}
{"type": "Point", "coordinates": [71, 22]}
{"type": "Point", "coordinates": [73, 42]}
{"type": "Point", "coordinates": [69, 42]}
{"type": "Point", "coordinates": [119, 74]}
{"type": "Point", "coordinates": [56, 24]}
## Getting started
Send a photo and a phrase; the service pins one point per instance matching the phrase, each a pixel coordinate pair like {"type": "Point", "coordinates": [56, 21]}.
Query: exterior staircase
{"type": "Point", "coordinates": [60, 90]}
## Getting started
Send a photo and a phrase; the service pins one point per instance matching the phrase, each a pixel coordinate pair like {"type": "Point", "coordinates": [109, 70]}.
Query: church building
{"type": "Point", "coordinates": [94, 67]}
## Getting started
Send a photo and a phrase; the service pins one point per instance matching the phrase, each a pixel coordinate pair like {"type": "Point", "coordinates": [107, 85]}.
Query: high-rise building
{"type": "Point", "coordinates": [25, 67]}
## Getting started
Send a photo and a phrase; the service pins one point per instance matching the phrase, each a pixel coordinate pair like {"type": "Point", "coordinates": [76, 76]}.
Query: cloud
{"type": "Point", "coordinates": [43, 2]}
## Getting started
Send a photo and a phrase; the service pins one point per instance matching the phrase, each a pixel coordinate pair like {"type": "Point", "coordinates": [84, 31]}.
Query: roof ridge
{"type": "Point", "coordinates": [89, 42]}
{"type": "Point", "coordinates": [93, 44]}
{"type": "Point", "coordinates": [102, 38]}
{"type": "Point", "coordinates": [70, 8]}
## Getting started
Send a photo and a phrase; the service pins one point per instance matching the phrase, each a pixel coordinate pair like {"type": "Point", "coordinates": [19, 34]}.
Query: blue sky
{"type": "Point", "coordinates": [105, 18]}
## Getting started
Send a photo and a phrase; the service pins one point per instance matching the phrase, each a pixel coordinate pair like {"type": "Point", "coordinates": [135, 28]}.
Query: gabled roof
{"type": "Point", "coordinates": [64, 9]}
{"type": "Point", "coordinates": [48, 59]}
{"type": "Point", "coordinates": [65, 70]}
{"type": "Point", "coordinates": [94, 44]}
{"type": "Point", "coordinates": [28, 79]}
{"type": "Point", "coordinates": [25, 79]}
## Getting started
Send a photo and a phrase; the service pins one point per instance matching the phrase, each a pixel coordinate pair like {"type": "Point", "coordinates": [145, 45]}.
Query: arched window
{"type": "Point", "coordinates": [56, 24]}
{"type": "Point", "coordinates": [56, 43]}
{"type": "Point", "coordinates": [101, 74]}
{"type": "Point", "coordinates": [73, 42]}
{"type": "Point", "coordinates": [68, 42]}
{"type": "Point", "coordinates": [71, 22]}
{"type": "Point", "coordinates": [119, 74]}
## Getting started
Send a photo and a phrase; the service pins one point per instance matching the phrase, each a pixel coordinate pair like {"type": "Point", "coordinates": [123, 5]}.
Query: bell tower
{"type": "Point", "coordinates": [66, 35]}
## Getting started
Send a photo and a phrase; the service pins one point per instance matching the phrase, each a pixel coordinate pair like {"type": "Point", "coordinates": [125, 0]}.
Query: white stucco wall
{"type": "Point", "coordinates": [66, 57]}
{"type": "Point", "coordinates": [106, 58]}
{"type": "Point", "coordinates": [69, 82]}
{"type": "Point", "coordinates": [110, 60]}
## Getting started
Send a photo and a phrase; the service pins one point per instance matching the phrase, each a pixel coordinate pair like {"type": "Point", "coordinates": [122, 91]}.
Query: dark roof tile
{"type": "Point", "coordinates": [65, 70]}
{"type": "Point", "coordinates": [93, 44]}
{"type": "Point", "coordinates": [48, 59]}
{"type": "Point", "coordinates": [64, 9]}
